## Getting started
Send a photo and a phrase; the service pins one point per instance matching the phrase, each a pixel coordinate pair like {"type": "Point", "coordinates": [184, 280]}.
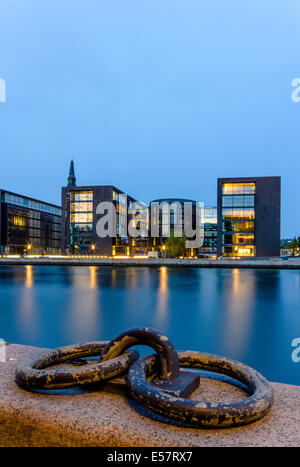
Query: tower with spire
{"type": "Point", "coordinates": [71, 177]}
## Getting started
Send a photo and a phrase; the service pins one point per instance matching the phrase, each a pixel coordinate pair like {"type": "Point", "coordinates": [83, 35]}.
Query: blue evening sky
{"type": "Point", "coordinates": [157, 97]}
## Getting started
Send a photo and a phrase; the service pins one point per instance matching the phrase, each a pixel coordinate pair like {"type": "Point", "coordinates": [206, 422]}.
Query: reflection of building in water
{"type": "Point", "coordinates": [162, 297]}
{"type": "Point", "coordinates": [131, 277]}
{"type": "Point", "coordinates": [93, 277]}
{"type": "Point", "coordinates": [28, 317]}
{"type": "Point", "coordinates": [239, 310]}
{"type": "Point", "coordinates": [84, 309]}
{"type": "Point", "coordinates": [29, 277]}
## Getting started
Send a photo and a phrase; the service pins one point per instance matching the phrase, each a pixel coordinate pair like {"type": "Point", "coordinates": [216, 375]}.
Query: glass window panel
{"type": "Point", "coordinates": [236, 226]}
{"type": "Point", "coordinates": [82, 218]}
{"type": "Point", "coordinates": [249, 201]}
{"type": "Point", "coordinates": [82, 207]}
{"type": "Point", "coordinates": [238, 188]}
{"type": "Point", "coordinates": [243, 239]}
{"type": "Point", "coordinates": [82, 196]}
{"type": "Point", "coordinates": [237, 213]}
{"type": "Point", "coordinates": [234, 251]}
{"type": "Point", "coordinates": [227, 201]}
{"type": "Point", "coordinates": [238, 201]}
{"type": "Point", "coordinates": [82, 228]}
{"type": "Point", "coordinates": [227, 188]}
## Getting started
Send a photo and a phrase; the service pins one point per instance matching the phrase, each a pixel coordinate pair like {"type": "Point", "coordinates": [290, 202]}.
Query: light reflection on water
{"type": "Point", "coordinates": [247, 314]}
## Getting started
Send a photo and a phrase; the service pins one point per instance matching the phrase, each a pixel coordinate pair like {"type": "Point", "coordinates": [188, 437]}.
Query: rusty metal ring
{"type": "Point", "coordinates": [35, 374]}
{"type": "Point", "coordinates": [168, 357]}
{"type": "Point", "coordinates": [201, 413]}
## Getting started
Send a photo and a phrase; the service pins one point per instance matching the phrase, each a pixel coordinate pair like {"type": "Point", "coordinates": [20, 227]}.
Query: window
{"type": "Point", "coordinates": [20, 221]}
{"type": "Point", "coordinates": [28, 203]}
{"type": "Point", "coordinates": [238, 226]}
{"type": "Point", "coordinates": [238, 188]}
{"type": "Point", "coordinates": [238, 201]}
{"type": "Point", "coordinates": [82, 196]}
{"type": "Point", "coordinates": [82, 228]}
{"type": "Point", "coordinates": [237, 239]}
{"type": "Point", "coordinates": [82, 217]}
{"type": "Point", "coordinates": [82, 207]}
{"type": "Point", "coordinates": [235, 251]}
{"type": "Point", "coordinates": [237, 213]}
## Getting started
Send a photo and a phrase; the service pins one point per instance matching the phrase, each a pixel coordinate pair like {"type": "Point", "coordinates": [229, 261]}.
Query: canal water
{"type": "Point", "coordinates": [248, 314]}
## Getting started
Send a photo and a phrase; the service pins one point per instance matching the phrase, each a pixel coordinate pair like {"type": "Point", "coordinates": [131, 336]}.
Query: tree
{"type": "Point", "coordinates": [176, 245]}
{"type": "Point", "coordinates": [293, 245]}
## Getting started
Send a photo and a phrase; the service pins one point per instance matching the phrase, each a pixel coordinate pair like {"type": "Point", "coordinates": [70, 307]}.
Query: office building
{"type": "Point", "coordinates": [210, 242]}
{"type": "Point", "coordinates": [249, 216]}
{"type": "Point", "coordinates": [173, 215]}
{"type": "Point", "coordinates": [28, 225]}
{"type": "Point", "coordinates": [80, 216]}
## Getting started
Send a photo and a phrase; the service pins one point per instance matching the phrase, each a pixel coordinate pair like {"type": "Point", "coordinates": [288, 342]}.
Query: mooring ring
{"type": "Point", "coordinates": [35, 374]}
{"type": "Point", "coordinates": [200, 413]}
{"type": "Point", "coordinates": [167, 354]}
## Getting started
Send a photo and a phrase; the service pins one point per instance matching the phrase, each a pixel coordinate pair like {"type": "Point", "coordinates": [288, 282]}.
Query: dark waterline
{"type": "Point", "coordinates": [247, 314]}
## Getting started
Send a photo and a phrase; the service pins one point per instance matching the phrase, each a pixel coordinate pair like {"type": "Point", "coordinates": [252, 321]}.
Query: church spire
{"type": "Point", "coordinates": [71, 177]}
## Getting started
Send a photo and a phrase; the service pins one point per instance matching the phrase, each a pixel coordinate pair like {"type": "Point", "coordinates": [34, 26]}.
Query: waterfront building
{"type": "Point", "coordinates": [210, 224]}
{"type": "Point", "coordinates": [28, 225]}
{"type": "Point", "coordinates": [80, 217]}
{"type": "Point", "coordinates": [172, 215]}
{"type": "Point", "coordinates": [249, 216]}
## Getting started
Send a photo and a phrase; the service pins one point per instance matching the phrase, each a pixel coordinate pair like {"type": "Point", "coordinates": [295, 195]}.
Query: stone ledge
{"type": "Point", "coordinates": [257, 263]}
{"type": "Point", "coordinates": [86, 418]}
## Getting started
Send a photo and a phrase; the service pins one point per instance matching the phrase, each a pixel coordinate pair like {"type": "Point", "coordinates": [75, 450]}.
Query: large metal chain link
{"type": "Point", "coordinates": [35, 374]}
{"type": "Point", "coordinates": [156, 382]}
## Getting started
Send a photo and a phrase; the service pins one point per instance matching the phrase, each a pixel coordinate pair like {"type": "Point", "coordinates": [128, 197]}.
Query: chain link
{"type": "Point", "coordinates": [157, 382]}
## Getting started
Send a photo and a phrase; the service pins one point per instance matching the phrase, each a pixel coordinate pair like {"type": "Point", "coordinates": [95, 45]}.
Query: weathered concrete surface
{"type": "Point", "coordinates": [95, 418]}
{"type": "Point", "coordinates": [263, 263]}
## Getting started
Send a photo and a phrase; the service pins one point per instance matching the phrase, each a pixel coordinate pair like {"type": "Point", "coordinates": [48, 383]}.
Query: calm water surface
{"type": "Point", "coordinates": [247, 314]}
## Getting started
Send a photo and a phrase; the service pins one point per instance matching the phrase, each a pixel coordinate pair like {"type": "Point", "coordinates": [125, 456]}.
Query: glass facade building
{"type": "Point", "coordinates": [238, 224]}
{"type": "Point", "coordinates": [29, 225]}
{"type": "Point", "coordinates": [80, 217]}
{"type": "Point", "coordinates": [249, 217]}
{"type": "Point", "coordinates": [173, 214]}
{"type": "Point", "coordinates": [210, 223]}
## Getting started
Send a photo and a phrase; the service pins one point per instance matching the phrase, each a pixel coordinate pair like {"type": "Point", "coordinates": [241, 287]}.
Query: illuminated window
{"type": "Point", "coordinates": [238, 226]}
{"type": "Point", "coordinates": [82, 218]}
{"type": "Point", "coordinates": [82, 207]}
{"type": "Point", "coordinates": [237, 251]}
{"type": "Point", "coordinates": [238, 188]}
{"type": "Point", "coordinates": [19, 221]}
{"type": "Point", "coordinates": [82, 196]}
{"type": "Point", "coordinates": [236, 213]}
{"type": "Point", "coordinates": [243, 238]}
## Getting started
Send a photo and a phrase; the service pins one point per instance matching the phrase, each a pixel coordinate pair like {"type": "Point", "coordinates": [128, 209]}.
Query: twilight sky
{"type": "Point", "coordinates": [158, 98]}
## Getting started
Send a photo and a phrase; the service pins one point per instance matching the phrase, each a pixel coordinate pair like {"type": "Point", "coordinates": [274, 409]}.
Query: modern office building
{"type": "Point", "coordinates": [249, 216]}
{"type": "Point", "coordinates": [172, 216]}
{"type": "Point", "coordinates": [80, 216]}
{"type": "Point", "coordinates": [28, 225]}
{"type": "Point", "coordinates": [210, 223]}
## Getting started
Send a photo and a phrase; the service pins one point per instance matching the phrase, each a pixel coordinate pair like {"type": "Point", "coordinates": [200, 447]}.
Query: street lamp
{"type": "Point", "coordinates": [164, 250]}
